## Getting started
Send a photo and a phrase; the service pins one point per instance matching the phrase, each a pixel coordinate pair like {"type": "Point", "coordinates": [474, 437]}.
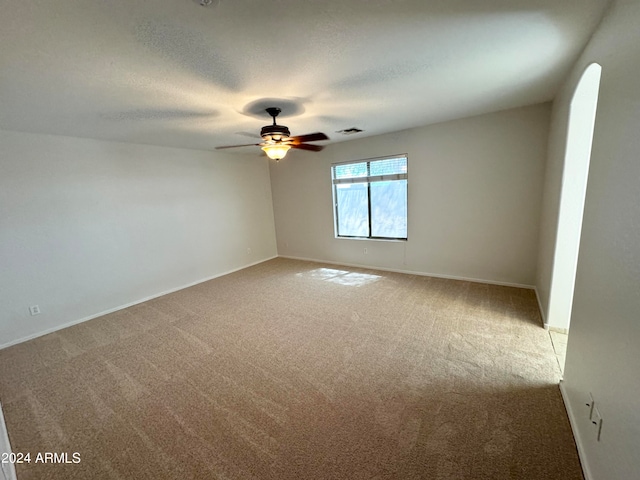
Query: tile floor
{"type": "Point", "coordinates": [559, 342]}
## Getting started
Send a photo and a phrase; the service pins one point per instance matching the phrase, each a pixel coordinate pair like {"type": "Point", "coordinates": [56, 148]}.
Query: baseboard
{"type": "Point", "coordinates": [131, 304]}
{"type": "Point", "coordinates": [572, 421]}
{"type": "Point", "coordinates": [557, 329]}
{"type": "Point", "coordinates": [7, 470]}
{"type": "Point", "coordinates": [543, 316]}
{"type": "Point", "coordinates": [412, 272]}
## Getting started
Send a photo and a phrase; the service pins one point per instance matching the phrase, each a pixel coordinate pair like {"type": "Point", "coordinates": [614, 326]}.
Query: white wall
{"type": "Point", "coordinates": [7, 470]}
{"type": "Point", "coordinates": [603, 352]}
{"type": "Point", "coordinates": [87, 226]}
{"type": "Point", "coordinates": [563, 209]}
{"type": "Point", "coordinates": [475, 189]}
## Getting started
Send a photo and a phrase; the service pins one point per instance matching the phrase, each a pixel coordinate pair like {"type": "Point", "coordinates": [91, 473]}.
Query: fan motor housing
{"type": "Point", "coordinates": [268, 132]}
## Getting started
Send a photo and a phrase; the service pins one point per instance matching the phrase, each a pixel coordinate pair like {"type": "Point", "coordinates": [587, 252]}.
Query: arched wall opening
{"type": "Point", "coordinates": [582, 116]}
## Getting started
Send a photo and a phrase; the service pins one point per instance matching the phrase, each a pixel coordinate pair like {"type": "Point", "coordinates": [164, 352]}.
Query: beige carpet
{"type": "Point", "coordinates": [298, 370]}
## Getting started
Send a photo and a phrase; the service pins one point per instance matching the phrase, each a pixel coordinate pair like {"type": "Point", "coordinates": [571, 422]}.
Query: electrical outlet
{"type": "Point", "coordinates": [596, 421]}
{"type": "Point", "coordinates": [365, 250]}
{"type": "Point", "coordinates": [34, 310]}
{"type": "Point", "coordinates": [249, 251]}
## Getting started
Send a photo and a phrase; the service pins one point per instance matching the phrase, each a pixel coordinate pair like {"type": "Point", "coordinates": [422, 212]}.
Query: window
{"type": "Point", "coordinates": [370, 198]}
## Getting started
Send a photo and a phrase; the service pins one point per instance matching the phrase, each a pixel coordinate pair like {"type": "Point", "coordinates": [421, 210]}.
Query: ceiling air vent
{"type": "Point", "coordinates": [350, 131]}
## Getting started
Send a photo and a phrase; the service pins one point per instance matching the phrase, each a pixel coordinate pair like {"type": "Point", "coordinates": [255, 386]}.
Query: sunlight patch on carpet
{"type": "Point", "coordinates": [341, 277]}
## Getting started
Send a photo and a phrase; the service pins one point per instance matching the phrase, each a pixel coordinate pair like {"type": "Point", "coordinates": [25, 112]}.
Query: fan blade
{"type": "Point", "coordinates": [306, 146]}
{"type": "Point", "coordinates": [249, 134]}
{"type": "Point", "coordinates": [310, 137]}
{"type": "Point", "coordinates": [235, 146]}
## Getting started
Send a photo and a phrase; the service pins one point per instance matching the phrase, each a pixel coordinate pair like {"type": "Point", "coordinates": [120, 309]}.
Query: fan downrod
{"type": "Point", "coordinates": [273, 112]}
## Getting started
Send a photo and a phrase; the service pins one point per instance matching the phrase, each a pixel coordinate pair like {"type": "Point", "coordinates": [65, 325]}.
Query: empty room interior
{"type": "Point", "coordinates": [320, 240]}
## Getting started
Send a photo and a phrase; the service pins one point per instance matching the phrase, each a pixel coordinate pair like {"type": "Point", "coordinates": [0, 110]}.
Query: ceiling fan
{"type": "Point", "coordinates": [277, 140]}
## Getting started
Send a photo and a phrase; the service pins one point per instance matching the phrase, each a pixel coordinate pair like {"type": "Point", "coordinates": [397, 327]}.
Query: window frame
{"type": "Point", "coordinates": [368, 181]}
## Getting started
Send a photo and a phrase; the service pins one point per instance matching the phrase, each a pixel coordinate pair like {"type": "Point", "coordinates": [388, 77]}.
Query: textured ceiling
{"type": "Point", "coordinates": [170, 72]}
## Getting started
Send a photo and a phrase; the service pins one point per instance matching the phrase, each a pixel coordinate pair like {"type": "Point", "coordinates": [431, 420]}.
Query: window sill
{"type": "Point", "coordinates": [391, 240]}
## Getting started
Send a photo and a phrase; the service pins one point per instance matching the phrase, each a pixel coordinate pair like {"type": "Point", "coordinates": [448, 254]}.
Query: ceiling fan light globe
{"type": "Point", "coordinates": [276, 152]}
